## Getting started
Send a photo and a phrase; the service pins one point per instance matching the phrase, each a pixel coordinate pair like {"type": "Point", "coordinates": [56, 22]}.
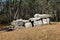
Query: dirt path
{"type": "Point", "coordinates": [43, 32]}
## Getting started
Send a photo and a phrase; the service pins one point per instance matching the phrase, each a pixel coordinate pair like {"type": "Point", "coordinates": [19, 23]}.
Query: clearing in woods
{"type": "Point", "coordinates": [43, 32]}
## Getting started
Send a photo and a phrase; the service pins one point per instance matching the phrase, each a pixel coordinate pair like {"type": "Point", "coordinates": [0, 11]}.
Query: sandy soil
{"type": "Point", "coordinates": [43, 32]}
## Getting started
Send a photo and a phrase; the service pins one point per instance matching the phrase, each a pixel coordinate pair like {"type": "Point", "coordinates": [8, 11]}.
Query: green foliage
{"type": "Point", "coordinates": [27, 8]}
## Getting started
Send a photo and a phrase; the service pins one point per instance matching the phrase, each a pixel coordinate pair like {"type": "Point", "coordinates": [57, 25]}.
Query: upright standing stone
{"type": "Point", "coordinates": [36, 23]}
{"type": "Point", "coordinates": [40, 22]}
{"type": "Point", "coordinates": [44, 21]}
{"type": "Point", "coordinates": [27, 25]}
{"type": "Point", "coordinates": [48, 20]}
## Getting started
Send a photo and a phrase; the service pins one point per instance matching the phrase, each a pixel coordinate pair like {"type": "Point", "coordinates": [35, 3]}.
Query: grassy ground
{"type": "Point", "coordinates": [43, 32]}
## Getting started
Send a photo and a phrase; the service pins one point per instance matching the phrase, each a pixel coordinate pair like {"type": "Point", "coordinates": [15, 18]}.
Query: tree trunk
{"type": "Point", "coordinates": [55, 12]}
{"type": "Point", "coordinates": [15, 16]}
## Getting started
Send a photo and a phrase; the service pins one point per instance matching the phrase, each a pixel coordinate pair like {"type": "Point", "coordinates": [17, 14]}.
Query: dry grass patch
{"type": "Point", "coordinates": [43, 32]}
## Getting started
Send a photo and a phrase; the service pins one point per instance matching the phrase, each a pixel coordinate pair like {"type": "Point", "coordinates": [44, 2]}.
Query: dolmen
{"type": "Point", "coordinates": [45, 18]}
{"type": "Point", "coordinates": [38, 19]}
{"type": "Point", "coordinates": [21, 23]}
{"type": "Point", "coordinates": [17, 23]}
{"type": "Point", "coordinates": [27, 23]}
{"type": "Point", "coordinates": [35, 21]}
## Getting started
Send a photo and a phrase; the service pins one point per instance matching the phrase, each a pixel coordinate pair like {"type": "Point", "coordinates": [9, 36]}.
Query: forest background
{"type": "Point", "coordinates": [15, 9]}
